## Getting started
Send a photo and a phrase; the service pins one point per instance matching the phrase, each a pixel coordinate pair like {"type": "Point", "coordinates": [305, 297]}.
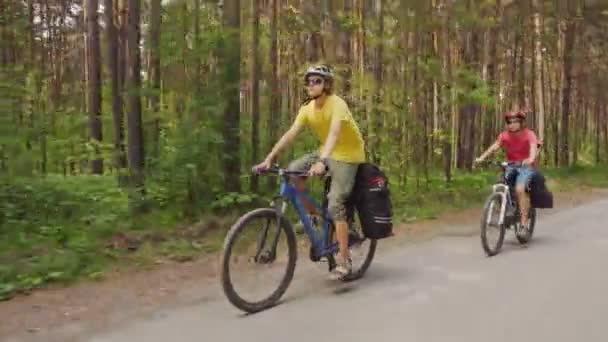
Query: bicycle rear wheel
{"type": "Point", "coordinates": [265, 254]}
{"type": "Point", "coordinates": [492, 233]}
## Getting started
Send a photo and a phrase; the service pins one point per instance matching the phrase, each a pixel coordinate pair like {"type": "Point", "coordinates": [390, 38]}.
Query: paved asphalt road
{"type": "Point", "coordinates": [441, 290]}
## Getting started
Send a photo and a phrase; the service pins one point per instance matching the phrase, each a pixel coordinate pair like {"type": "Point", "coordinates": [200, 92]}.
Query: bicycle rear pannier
{"type": "Point", "coordinates": [540, 196]}
{"type": "Point", "coordinates": [373, 202]}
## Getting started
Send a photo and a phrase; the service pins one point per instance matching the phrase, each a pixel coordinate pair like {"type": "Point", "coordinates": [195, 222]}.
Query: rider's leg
{"type": "Point", "coordinates": [524, 203]}
{"type": "Point", "coordinates": [303, 164]}
{"type": "Point", "coordinates": [343, 180]}
{"type": "Point", "coordinates": [523, 197]}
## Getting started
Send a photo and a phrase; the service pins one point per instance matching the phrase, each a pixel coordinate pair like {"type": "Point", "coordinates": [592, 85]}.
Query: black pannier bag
{"type": "Point", "coordinates": [540, 196]}
{"type": "Point", "coordinates": [371, 197]}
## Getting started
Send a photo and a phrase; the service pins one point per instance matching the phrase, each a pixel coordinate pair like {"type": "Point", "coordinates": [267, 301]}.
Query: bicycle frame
{"type": "Point", "coordinates": [504, 190]}
{"type": "Point", "coordinates": [319, 243]}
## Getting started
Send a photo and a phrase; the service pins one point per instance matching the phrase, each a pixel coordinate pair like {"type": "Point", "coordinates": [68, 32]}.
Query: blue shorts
{"type": "Point", "coordinates": [521, 175]}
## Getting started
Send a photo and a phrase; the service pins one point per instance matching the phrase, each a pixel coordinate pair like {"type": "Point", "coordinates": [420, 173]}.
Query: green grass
{"type": "Point", "coordinates": [432, 199]}
{"type": "Point", "coordinates": [61, 230]}
{"type": "Point", "coordinates": [577, 176]}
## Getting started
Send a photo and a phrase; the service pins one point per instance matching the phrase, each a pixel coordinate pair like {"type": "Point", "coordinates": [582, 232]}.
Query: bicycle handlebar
{"type": "Point", "coordinates": [504, 164]}
{"type": "Point", "coordinates": [279, 171]}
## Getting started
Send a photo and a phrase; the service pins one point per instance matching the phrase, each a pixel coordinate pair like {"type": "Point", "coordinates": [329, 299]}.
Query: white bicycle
{"type": "Point", "coordinates": [501, 212]}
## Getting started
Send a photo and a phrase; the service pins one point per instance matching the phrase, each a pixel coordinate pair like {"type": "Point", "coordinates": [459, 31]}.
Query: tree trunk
{"type": "Point", "coordinates": [155, 24]}
{"type": "Point", "coordinates": [539, 109]}
{"type": "Point", "coordinates": [493, 76]}
{"type": "Point", "coordinates": [447, 121]}
{"type": "Point", "coordinates": [558, 90]}
{"type": "Point", "coordinates": [521, 83]}
{"type": "Point", "coordinates": [416, 103]}
{"type": "Point", "coordinates": [597, 125]}
{"type": "Point", "coordinates": [569, 44]}
{"type": "Point", "coordinates": [94, 84]}
{"type": "Point", "coordinates": [332, 25]}
{"type": "Point", "coordinates": [605, 123]}
{"type": "Point", "coordinates": [362, 67]}
{"type": "Point", "coordinates": [117, 113]}
{"type": "Point", "coordinates": [469, 111]}
{"type": "Point", "coordinates": [123, 43]}
{"type": "Point", "coordinates": [580, 123]}
{"type": "Point", "coordinates": [255, 90]}
{"type": "Point", "coordinates": [275, 91]}
{"type": "Point", "coordinates": [312, 14]}
{"type": "Point", "coordinates": [454, 128]}
{"type": "Point", "coordinates": [32, 33]}
{"type": "Point", "coordinates": [198, 60]}
{"type": "Point", "coordinates": [378, 75]}
{"type": "Point", "coordinates": [347, 50]}
{"type": "Point", "coordinates": [231, 128]}
{"type": "Point", "coordinates": [435, 49]}
{"type": "Point", "coordinates": [134, 118]}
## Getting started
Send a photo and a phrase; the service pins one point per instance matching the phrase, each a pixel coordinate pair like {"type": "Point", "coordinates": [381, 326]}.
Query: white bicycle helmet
{"type": "Point", "coordinates": [320, 70]}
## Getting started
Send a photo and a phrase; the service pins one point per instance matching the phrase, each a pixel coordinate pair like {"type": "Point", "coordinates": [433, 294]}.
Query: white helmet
{"type": "Point", "coordinates": [320, 70]}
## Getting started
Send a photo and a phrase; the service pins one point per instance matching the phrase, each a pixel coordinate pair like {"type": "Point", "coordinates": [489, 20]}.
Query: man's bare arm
{"type": "Point", "coordinates": [284, 142]}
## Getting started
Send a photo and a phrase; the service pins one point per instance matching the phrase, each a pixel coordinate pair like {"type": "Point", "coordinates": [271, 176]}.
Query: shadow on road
{"type": "Point", "coordinates": [378, 273]}
{"type": "Point", "coordinates": [511, 245]}
{"type": "Point", "coordinates": [319, 285]}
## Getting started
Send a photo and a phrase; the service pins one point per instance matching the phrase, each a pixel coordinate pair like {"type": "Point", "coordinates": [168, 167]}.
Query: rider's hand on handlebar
{"type": "Point", "coordinates": [477, 161]}
{"type": "Point", "coordinates": [317, 169]}
{"type": "Point", "coordinates": [263, 166]}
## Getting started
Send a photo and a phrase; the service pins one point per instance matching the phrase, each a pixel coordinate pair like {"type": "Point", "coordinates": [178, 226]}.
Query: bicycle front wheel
{"type": "Point", "coordinates": [492, 233]}
{"type": "Point", "coordinates": [261, 236]}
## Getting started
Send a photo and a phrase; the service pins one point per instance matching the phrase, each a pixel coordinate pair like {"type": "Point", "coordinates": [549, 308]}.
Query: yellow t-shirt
{"type": "Point", "coordinates": [349, 146]}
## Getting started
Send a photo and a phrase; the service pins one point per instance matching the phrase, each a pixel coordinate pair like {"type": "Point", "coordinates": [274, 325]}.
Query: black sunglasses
{"type": "Point", "coordinates": [313, 81]}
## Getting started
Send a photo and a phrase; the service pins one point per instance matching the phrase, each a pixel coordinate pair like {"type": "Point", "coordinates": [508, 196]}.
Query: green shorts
{"type": "Point", "coordinates": [342, 182]}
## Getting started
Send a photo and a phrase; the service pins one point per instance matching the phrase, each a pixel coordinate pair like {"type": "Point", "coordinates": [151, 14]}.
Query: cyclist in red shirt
{"type": "Point", "coordinates": [521, 146]}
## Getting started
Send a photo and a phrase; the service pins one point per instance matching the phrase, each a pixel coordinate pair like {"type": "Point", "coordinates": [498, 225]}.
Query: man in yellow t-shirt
{"type": "Point", "coordinates": [342, 150]}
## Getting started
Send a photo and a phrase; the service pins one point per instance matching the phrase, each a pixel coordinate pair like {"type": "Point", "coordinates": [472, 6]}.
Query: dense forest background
{"type": "Point", "coordinates": [119, 115]}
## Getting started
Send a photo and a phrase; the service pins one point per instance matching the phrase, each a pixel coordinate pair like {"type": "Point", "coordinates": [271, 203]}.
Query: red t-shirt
{"type": "Point", "coordinates": [517, 144]}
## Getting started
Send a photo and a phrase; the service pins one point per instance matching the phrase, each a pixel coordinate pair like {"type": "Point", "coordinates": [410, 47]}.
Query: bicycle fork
{"type": "Point", "coordinates": [272, 252]}
{"type": "Point", "coordinates": [503, 190]}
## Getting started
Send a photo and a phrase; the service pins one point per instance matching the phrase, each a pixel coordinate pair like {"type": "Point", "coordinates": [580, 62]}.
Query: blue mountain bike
{"type": "Point", "coordinates": [261, 246]}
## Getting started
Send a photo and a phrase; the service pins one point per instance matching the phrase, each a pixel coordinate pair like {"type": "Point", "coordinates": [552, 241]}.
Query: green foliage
{"type": "Point", "coordinates": [579, 175]}
{"type": "Point", "coordinates": [53, 229]}
{"type": "Point", "coordinates": [426, 200]}
{"type": "Point", "coordinates": [471, 89]}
